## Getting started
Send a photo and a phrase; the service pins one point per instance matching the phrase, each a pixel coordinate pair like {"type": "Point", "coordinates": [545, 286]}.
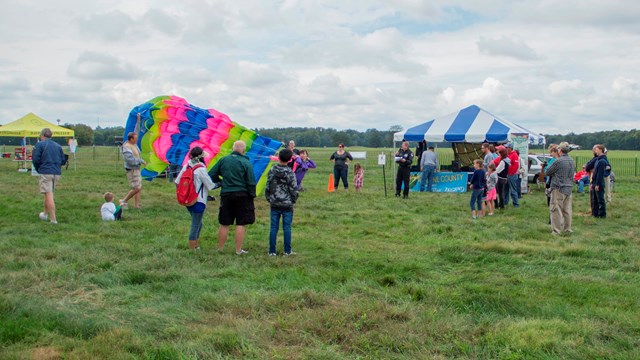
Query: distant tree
{"type": "Point", "coordinates": [309, 138]}
{"type": "Point", "coordinates": [373, 138]}
{"type": "Point", "coordinates": [395, 128]}
{"type": "Point", "coordinates": [83, 133]}
{"type": "Point", "coordinates": [341, 137]}
{"type": "Point", "coordinates": [107, 136]}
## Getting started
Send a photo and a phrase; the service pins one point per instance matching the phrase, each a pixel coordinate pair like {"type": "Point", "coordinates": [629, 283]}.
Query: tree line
{"type": "Point", "coordinates": [329, 137]}
{"type": "Point", "coordinates": [612, 139]}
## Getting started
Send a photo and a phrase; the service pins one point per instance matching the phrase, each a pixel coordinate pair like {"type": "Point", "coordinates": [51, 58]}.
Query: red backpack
{"type": "Point", "coordinates": [186, 190]}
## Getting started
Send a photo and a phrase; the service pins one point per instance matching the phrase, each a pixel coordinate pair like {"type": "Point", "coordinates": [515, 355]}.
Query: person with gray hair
{"type": "Point", "coordinates": [561, 187]}
{"type": "Point", "coordinates": [48, 159]}
{"type": "Point", "coordinates": [429, 166]}
{"type": "Point", "coordinates": [236, 196]}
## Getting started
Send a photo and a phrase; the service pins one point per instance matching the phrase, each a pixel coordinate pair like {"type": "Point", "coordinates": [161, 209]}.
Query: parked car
{"type": "Point", "coordinates": [535, 165]}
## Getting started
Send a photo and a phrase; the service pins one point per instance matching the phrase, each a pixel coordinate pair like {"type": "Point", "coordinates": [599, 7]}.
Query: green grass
{"type": "Point", "coordinates": [374, 277]}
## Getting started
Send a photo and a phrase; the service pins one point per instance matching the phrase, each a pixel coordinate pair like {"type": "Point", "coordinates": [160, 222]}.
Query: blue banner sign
{"type": "Point", "coordinates": [442, 182]}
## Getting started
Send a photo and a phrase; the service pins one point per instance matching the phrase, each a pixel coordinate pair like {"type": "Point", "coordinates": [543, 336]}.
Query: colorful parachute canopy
{"type": "Point", "coordinates": [170, 127]}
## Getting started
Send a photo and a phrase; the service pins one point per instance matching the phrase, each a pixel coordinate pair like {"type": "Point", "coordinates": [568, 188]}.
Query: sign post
{"type": "Point", "coordinates": [382, 160]}
{"type": "Point", "coordinates": [521, 143]}
{"type": "Point", "coordinates": [73, 145]}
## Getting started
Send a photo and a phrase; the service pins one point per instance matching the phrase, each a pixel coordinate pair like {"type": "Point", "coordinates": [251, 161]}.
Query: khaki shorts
{"type": "Point", "coordinates": [48, 183]}
{"type": "Point", "coordinates": [135, 180]}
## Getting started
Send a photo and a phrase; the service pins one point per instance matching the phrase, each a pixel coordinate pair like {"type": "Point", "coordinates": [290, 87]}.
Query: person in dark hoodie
{"type": "Point", "coordinates": [601, 164]}
{"type": "Point", "coordinates": [281, 192]}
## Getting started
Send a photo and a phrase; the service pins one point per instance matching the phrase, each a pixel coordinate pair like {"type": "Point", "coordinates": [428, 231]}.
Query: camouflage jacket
{"type": "Point", "coordinates": [281, 190]}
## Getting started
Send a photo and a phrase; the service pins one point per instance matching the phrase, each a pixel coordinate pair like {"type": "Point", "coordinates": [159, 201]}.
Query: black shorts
{"type": "Point", "coordinates": [238, 207]}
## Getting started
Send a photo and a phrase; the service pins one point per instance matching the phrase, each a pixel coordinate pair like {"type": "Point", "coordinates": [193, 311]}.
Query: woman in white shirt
{"type": "Point", "coordinates": [203, 184]}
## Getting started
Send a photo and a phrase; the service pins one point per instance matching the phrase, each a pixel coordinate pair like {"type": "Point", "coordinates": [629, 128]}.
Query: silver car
{"type": "Point", "coordinates": [535, 166]}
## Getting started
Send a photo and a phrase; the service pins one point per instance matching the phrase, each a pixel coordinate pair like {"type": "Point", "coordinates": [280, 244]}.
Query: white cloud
{"type": "Point", "coordinates": [111, 26]}
{"type": "Point", "coordinates": [551, 66]}
{"type": "Point", "coordinates": [9, 84]}
{"type": "Point", "coordinates": [92, 65]}
{"type": "Point", "coordinates": [506, 46]}
{"type": "Point", "coordinates": [626, 88]}
{"type": "Point", "coordinates": [562, 86]}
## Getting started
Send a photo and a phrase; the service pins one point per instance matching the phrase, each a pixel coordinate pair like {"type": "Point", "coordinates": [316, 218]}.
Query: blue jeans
{"type": "Point", "coordinates": [582, 182]}
{"type": "Point", "coordinates": [476, 198]}
{"type": "Point", "coordinates": [514, 184]}
{"type": "Point", "coordinates": [341, 174]}
{"type": "Point", "coordinates": [427, 177]}
{"type": "Point", "coordinates": [196, 225]}
{"type": "Point", "coordinates": [287, 219]}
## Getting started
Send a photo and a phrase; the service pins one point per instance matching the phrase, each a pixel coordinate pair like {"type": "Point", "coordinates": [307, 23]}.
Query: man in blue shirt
{"type": "Point", "coordinates": [48, 159]}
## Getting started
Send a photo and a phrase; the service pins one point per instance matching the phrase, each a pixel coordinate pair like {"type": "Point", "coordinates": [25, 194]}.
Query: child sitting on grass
{"type": "Point", "coordinates": [109, 210]}
{"type": "Point", "coordinates": [478, 183]}
{"type": "Point", "coordinates": [358, 178]}
{"type": "Point", "coordinates": [281, 192]}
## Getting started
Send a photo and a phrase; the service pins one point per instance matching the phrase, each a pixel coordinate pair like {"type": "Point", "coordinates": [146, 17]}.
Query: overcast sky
{"type": "Point", "coordinates": [551, 66]}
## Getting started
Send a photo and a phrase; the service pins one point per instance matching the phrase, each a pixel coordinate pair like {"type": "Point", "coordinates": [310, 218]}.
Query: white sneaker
{"type": "Point", "coordinates": [43, 216]}
{"type": "Point", "coordinates": [272, 254]}
{"type": "Point", "coordinates": [290, 253]}
{"type": "Point", "coordinates": [123, 204]}
{"type": "Point", "coordinates": [242, 252]}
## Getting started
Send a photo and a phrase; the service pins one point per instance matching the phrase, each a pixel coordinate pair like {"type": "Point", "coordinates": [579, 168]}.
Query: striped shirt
{"type": "Point", "coordinates": [561, 173]}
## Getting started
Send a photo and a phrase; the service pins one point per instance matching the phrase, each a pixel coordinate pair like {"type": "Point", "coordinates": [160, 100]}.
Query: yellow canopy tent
{"type": "Point", "coordinates": [30, 125]}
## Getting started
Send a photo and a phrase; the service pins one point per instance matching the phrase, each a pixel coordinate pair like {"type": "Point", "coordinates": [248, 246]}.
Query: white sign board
{"type": "Point", "coordinates": [73, 145]}
{"type": "Point", "coordinates": [521, 143]}
{"type": "Point", "coordinates": [358, 154]}
{"type": "Point", "coordinates": [382, 159]}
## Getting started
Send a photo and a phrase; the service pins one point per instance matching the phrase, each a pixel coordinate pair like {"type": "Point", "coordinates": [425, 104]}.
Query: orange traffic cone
{"type": "Point", "coordinates": [330, 186]}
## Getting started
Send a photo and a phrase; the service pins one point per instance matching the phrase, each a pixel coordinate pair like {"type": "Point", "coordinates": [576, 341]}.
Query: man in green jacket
{"type": "Point", "coordinates": [236, 196]}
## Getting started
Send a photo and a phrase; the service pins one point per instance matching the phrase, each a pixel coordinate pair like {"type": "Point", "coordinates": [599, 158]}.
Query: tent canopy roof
{"type": "Point", "coordinates": [471, 124]}
{"type": "Point", "coordinates": [30, 125]}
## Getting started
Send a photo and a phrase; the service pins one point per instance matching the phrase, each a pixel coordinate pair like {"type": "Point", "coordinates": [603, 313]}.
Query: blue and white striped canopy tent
{"type": "Point", "coordinates": [472, 124]}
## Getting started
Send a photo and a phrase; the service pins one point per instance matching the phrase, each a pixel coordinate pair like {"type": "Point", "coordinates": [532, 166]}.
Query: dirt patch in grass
{"type": "Point", "coordinates": [46, 353]}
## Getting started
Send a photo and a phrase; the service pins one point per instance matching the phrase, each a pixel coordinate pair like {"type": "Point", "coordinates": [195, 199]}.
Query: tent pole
{"type": "Point", "coordinates": [393, 152]}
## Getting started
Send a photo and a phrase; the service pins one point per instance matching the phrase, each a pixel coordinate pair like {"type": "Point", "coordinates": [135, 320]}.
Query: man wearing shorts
{"type": "Point", "coordinates": [236, 196]}
{"type": "Point", "coordinates": [132, 162]}
{"type": "Point", "coordinates": [48, 159]}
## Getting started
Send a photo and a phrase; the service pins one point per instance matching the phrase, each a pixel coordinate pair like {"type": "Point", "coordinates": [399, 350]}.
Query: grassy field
{"type": "Point", "coordinates": [374, 278]}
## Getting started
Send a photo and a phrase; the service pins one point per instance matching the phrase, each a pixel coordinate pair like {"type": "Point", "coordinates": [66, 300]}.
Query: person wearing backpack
{"type": "Point", "coordinates": [193, 185]}
{"type": "Point", "coordinates": [281, 192]}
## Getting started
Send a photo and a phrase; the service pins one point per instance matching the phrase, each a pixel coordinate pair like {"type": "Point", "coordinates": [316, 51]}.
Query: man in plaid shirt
{"type": "Point", "coordinates": [561, 173]}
